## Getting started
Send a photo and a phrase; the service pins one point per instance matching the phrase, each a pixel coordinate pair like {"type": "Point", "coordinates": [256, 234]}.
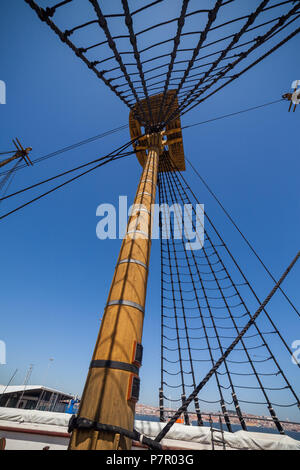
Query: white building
{"type": "Point", "coordinates": [33, 397]}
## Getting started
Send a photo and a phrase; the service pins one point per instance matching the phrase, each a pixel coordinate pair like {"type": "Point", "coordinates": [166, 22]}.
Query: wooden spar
{"type": "Point", "coordinates": [8, 160]}
{"type": "Point", "coordinates": [107, 395]}
{"type": "Point", "coordinates": [20, 153]}
{"type": "Point", "coordinates": [17, 155]}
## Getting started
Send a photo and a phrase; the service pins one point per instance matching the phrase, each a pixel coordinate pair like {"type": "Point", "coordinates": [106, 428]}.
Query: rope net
{"type": "Point", "coordinates": [206, 301]}
{"type": "Point", "coordinates": [140, 51]}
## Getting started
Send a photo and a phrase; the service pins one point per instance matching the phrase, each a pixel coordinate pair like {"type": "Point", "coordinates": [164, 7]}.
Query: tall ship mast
{"type": "Point", "coordinates": [217, 333]}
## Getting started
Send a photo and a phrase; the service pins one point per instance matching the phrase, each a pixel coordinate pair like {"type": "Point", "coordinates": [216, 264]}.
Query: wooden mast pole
{"type": "Point", "coordinates": [110, 393]}
{"type": "Point", "coordinates": [8, 160]}
{"type": "Point", "coordinates": [21, 153]}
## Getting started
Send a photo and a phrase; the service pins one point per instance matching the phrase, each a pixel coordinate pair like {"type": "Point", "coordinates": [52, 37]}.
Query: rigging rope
{"type": "Point", "coordinates": [190, 88]}
{"type": "Point", "coordinates": [233, 114]}
{"type": "Point", "coordinates": [133, 86]}
{"type": "Point", "coordinates": [7, 179]}
{"type": "Point", "coordinates": [109, 158]}
{"type": "Point", "coordinates": [234, 261]}
{"type": "Point", "coordinates": [281, 43]}
{"type": "Point", "coordinates": [123, 127]}
{"type": "Point", "coordinates": [171, 180]}
{"type": "Point", "coordinates": [70, 147]}
{"type": "Point", "coordinates": [241, 233]}
{"type": "Point", "coordinates": [183, 396]}
{"type": "Point", "coordinates": [63, 174]}
{"type": "Point", "coordinates": [226, 353]}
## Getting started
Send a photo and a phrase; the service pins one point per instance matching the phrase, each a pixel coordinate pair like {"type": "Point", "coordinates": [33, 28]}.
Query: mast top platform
{"type": "Point", "coordinates": [173, 143]}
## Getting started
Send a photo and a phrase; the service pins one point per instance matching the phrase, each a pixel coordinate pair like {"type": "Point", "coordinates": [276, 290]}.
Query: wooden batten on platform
{"type": "Point", "coordinates": [173, 133]}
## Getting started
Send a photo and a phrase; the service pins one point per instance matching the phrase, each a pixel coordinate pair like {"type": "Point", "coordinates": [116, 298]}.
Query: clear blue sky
{"type": "Point", "coordinates": [55, 273]}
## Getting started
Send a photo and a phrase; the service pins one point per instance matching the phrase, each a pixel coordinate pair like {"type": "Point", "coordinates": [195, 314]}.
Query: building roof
{"type": "Point", "coordinates": [27, 388]}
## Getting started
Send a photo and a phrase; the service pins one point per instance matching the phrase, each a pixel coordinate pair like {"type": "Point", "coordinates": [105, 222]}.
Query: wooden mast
{"type": "Point", "coordinates": [21, 153]}
{"type": "Point", "coordinates": [111, 389]}
{"type": "Point", "coordinates": [112, 386]}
